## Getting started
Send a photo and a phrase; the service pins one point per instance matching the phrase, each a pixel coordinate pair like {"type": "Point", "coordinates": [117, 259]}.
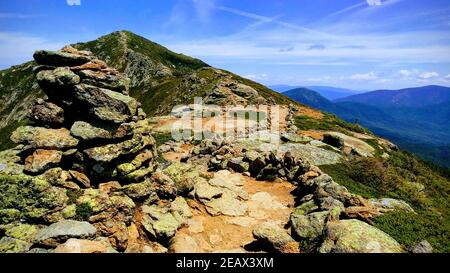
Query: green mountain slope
{"type": "Point", "coordinates": [160, 79]}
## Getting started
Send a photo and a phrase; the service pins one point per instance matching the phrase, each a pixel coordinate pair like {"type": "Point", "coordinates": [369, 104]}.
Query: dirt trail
{"type": "Point", "coordinates": [268, 201]}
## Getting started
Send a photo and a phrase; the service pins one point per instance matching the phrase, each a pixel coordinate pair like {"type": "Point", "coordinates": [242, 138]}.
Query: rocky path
{"type": "Point", "coordinates": [262, 202]}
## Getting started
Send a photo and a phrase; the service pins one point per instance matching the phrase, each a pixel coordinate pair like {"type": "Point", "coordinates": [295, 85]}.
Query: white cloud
{"type": "Point", "coordinates": [18, 16]}
{"type": "Point", "coordinates": [364, 77]}
{"type": "Point", "coordinates": [428, 75]}
{"type": "Point", "coordinates": [374, 2]}
{"type": "Point", "coordinates": [16, 48]}
{"type": "Point", "coordinates": [405, 73]}
{"type": "Point", "coordinates": [73, 2]}
{"type": "Point", "coordinates": [204, 8]}
{"type": "Point", "coordinates": [447, 77]}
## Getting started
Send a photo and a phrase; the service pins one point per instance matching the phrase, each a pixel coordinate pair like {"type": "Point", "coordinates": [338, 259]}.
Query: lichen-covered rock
{"type": "Point", "coordinates": [109, 152]}
{"type": "Point", "coordinates": [354, 236]}
{"type": "Point", "coordinates": [203, 190]}
{"type": "Point", "coordinates": [138, 191]}
{"type": "Point", "coordinates": [183, 175]}
{"type": "Point", "coordinates": [276, 237]}
{"type": "Point", "coordinates": [24, 232]}
{"type": "Point", "coordinates": [86, 131]}
{"type": "Point", "coordinates": [23, 196]}
{"type": "Point", "coordinates": [42, 160]}
{"type": "Point", "coordinates": [59, 58]}
{"type": "Point", "coordinates": [13, 245]}
{"type": "Point", "coordinates": [47, 113]}
{"type": "Point", "coordinates": [38, 137]}
{"type": "Point", "coordinates": [101, 79]}
{"type": "Point", "coordinates": [105, 104]}
{"type": "Point", "coordinates": [59, 232]}
{"type": "Point", "coordinates": [80, 178]}
{"type": "Point", "coordinates": [237, 164]}
{"type": "Point", "coordinates": [310, 226]}
{"type": "Point", "coordinates": [52, 81]}
{"type": "Point", "coordinates": [161, 222]}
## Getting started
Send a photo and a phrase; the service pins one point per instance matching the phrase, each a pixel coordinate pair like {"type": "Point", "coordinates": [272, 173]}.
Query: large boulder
{"type": "Point", "coordinates": [310, 226]}
{"type": "Point", "coordinates": [57, 80]}
{"type": "Point", "coordinates": [58, 58]}
{"type": "Point", "coordinates": [277, 238]}
{"type": "Point", "coordinates": [39, 137]}
{"type": "Point", "coordinates": [101, 79]}
{"type": "Point", "coordinates": [105, 104]}
{"type": "Point", "coordinates": [59, 232]}
{"type": "Point", "coordinates": [354, 236]}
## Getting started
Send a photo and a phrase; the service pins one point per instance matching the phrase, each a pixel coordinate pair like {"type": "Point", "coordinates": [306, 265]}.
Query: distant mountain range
{"type": "Point", "coordinates": [417, 119]}
{"type": "Point", "coordinates": [328, 92]}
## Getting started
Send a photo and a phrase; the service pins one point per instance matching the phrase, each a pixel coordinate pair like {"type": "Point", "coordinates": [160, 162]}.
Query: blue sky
{"type": "Point", "coordinates": [359, 44]}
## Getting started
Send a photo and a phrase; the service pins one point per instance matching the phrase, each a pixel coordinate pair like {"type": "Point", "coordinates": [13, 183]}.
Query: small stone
{"type": "Point", "coordinates": [80, 178]}
{"type": "Point", "coordinates": [42, 160]}
{"type": "Point", "coordinates": [59, 232]}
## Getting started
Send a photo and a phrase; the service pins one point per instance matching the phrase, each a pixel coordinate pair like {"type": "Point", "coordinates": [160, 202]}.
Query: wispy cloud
{"type": "Point", "coordinates": [16, 48]}
{"type": "Point", "coordinates": [4, 15]}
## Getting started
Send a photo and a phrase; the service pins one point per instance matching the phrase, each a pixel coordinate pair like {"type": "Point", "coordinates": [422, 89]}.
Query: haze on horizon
{"type": "Point", "coordinates": [358, 44]}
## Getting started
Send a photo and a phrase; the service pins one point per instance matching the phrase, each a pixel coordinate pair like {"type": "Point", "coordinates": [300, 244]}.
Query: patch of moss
{"type": "Point", "coordinates": [73, 195]}
{"type": "Point", "coordinates": [83, 211]}
{"type": "Point", "coordinates": [162, 138]}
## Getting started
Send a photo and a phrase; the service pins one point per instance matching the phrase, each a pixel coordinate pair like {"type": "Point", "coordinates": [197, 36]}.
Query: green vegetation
{"type": "Point", "coordinates": [162, 137]}
{"type": "Point", "coordinates": [404, 177]}
{"type": "Point", "coordinates": [328, 122]}
{"type": "Point", "coordinates": [73, 195]}
{"type": "Point", "coordinates": [410, 228]}
{"type": "Point", "coordinates": [374, 143]}
{"type": "Point", "coordinates": [83, 211]}
{"type": "Point", "coordinates": [5, 133]}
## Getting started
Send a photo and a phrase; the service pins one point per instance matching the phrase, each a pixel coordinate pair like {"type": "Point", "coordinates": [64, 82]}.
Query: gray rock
{"type": "Point", "coordinates": [63, 230]}
{"type": "Point", "coordinates": [312, 154]}
{"type": "Point", "coordinates": [237, 164]}
{"type": "Point", "coordinates": [390, 203]}
{"type": "Point", "coordinates": [47, 113]}
{"type": "Point", "coordinates": [38, 137]}
{"type": "Point", "coordinates": [354, 236]}
{"type": "Point", "coordinates": [57, 80]}
{"type": "Point", "coordinates": [86, 131]}
{"type": "Point", "coordinates": [310, 226]}
{"type": "Point", "coordinates": [57, 58]}
{"type": "Point", "coordinates": [273, 235]}
{"type": "Point", "coordinates": [105, 104]}
{"type": "Point", "coordinates": [422, 247]}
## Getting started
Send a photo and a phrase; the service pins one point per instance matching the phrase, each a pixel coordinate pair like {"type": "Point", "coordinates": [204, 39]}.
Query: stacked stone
{"type": "Point", "coordinates": [88, 125]}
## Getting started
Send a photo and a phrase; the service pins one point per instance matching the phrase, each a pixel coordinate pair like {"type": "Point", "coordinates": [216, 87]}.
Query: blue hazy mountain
{"type": "Point", "coordinates": [417, 119]}
{"type": "Point", "coordinates": [408, 97]}
{"type": "Point", "coordinates": [327, 92]}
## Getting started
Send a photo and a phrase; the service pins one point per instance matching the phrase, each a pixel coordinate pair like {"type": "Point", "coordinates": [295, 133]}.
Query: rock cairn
{"type": "Point", "coordinates": [88, 125]}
